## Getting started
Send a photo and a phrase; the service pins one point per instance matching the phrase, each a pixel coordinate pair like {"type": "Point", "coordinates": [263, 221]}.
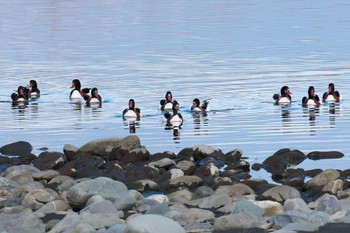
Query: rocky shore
{"type": "Point", "coordinates": [114, 185]}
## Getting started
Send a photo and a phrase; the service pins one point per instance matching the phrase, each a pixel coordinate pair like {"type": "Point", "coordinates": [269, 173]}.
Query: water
{"type": "Point", "coordinates": [235, 53]}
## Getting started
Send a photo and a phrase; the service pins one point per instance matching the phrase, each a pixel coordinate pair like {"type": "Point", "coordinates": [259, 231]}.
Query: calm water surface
{"type": "Point", "coordinates": [235, 53]}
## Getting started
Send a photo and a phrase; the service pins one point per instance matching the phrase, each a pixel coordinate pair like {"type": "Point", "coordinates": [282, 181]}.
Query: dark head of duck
{"type": "Point", "coordinates": [33, 86]}
{"type": "Point", "coordinates": [131, 104]}
{"type": "Point", "coordinates": [176, 107]}
{"type": "Point", "coordinates": [168, 96]}
{"type": "Point", "coordinates": [196, 102]}
{"type": "Point", "coordinates": [311, 92]}
{"type": "Point", "coordinates": [19, 94]}
{"type": "Point", "coordinates": [76, 84]}
{"type": "Point", "coordinates": [285, 91]}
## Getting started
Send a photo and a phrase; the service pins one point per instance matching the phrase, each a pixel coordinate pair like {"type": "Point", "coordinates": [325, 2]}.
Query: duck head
{"type": "Point", "coordinates": [168, 96]}
{"type": "Point", "coordinates": [131, 104]}
{"type": "Point", "coordinates": [285, 91]}
{"type": "Point", "coordinates": [76, 84]}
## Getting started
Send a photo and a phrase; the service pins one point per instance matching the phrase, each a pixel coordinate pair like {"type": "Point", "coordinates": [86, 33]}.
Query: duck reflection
{"type": "Point", "coordinates": [285, 115]}
{"type": "Point", "coordinates": [333, 109]}
{"type": "Point", "coordinates": [132, 125]}
{"type": "Point", "coordinates": [311, 113]}
{"type": "Point", "coordinates": [199, 118]}
{"type": "Point", "coordinates": [176, 130]}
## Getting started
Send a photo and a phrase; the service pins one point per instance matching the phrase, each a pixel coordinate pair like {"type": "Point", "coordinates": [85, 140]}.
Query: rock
{"type": "Point", "coordinates": [54, 206]}
{"type": "Point", "coordinates": [101, 220]}
{"type": "Point", "coordinates": [186, 181]}
{"type": "Point", "coordinates": [328, 204]}
{"type": "Point", "coordinates": [271, 208]}
{"type": "Point", "coordinates": [237, 190]}
{"type": "Point", "coordinates": [238, 221]}
{"type": "Point", "coordinates": [281, 193]}
{"type": "Point", "coordinates": [283, 219]}
{"type": "Point", "coordinates": [198, 153]}
{"type": "Point", "coordinates": [135, 155]}
{"type": "Point", "coordinates": [16, 148]}
{"type": "Point", "coordinates": [245, 206]}
{"type": "Point", "coordinates": [316, 155]}
{"type": "Point", "coordinates": [282, 159]}
{"type": "Point", "coordinates": [70, 151]}
{"type": "Point", "coordinates": [105, 187]}
{"type": "Point", "coordinates": [99, 207]}
{"type": "Point", "coordinates": [143, 185]}
{"type": "Point", "coordinates": [297, 204]}
{"type": "Point", "coordinates": [320, 180]}
{"type": "Point", "coordinates": [186, 166]}
{"type": "Point", "coordinates": [9, 188]}
{"type": "Point", "coordinates": [213, 201]}
{"type": "Point", "coordinates": [163, 163]}
{"type": "Point", "coordinates": [234, 155]}
{"type": "Point", "coordinates": [159, 224]}
{"type": "Point", "coordinates": [101, 147]}
{"type": "Point", "coordinates": [45, 175]}
{"type": "Point", "coordinates": [203, 191]}
{"type": "Point", "coordinates": [22, 221]}
{"type": "Point", "coordinates": [50, 160]}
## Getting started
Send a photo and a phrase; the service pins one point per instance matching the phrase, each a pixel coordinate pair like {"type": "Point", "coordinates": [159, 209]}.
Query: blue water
{"type": "Point", "coordinates": [235, 53]}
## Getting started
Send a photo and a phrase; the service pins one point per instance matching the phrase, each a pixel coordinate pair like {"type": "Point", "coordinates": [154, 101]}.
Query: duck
{"type": "Point", "coordinates": [33, 90]}
{"type": "Point", "coordinates": [19, 97]}
{"type": "Point", "coordinates": [312, 99]}
{"type": "Point", "coordinates": [331, 95]}
{"type": "Point", "coordinates": [166, 104]}
{"type": "Point", "coordinates": [132, 112]}
{"type": "Point", "coordinates": [174, 117]}
{"type": "Point", "coordinates": [77, 93]}
{"type": "Point", "coordinates": [197, 107]}
{"type": "Point", "coordinates": [95, 98]}
{"type": "Point", "coordinates": [284, 97]}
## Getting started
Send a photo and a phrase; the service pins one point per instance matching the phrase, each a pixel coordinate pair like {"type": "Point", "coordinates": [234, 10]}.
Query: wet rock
{"type": "Point", "coordinates": [234, 155]}
{"type": "Point", "coordinates": [316, 155]}
{"type": "Point", "coordinates": [101, 147]}
{"type": "Point", "coordinates": [200, 152]}
{"type": "Point", "coordinates": [282, 159]}
{"type": "Point", "coordinates": [16, 148]}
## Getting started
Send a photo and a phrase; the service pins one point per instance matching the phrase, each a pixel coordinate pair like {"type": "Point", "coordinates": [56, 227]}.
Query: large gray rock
{"type": "Point", "coordinates": [160, 224]}
{"type": "Point", "coordinates": [238, 221]}
{"type": "Point", "coordinates": [24, 221]}
{"type": "Point", "coordinates": [109, 189]}
{"type": "Point", "coordinates": [16, 148]}
{"type": "Point", "coordinates": [9, 188]}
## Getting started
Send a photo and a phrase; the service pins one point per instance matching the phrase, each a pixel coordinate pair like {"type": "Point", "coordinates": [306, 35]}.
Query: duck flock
{"type": "Point", "coordinates": [168, 105]}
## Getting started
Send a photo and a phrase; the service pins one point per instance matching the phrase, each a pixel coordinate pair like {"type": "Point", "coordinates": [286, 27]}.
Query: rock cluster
{"type": "Point", "coordinates": [115, 185]}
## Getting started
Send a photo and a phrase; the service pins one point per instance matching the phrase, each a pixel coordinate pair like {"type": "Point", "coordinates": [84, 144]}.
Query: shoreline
{"type": "Point", "coordinates": [199, 189]}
